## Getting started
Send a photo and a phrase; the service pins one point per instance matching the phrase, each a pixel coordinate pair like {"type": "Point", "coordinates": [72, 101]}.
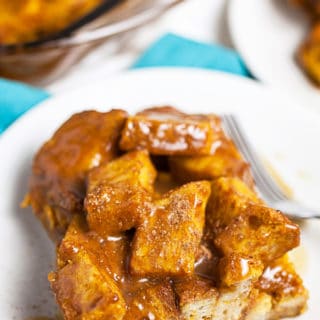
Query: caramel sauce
{"type": "Point", "coordinates": [115, 256]}
{"type": "Point", "coordinates": [278, 179]}
{"type": "Point", "coordinates": [280, 279]}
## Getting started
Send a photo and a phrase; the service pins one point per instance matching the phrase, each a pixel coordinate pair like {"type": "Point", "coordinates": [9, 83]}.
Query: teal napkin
{"type": "Point", "coordinates": [175, 51]}
{"type": "Point", "coordinates": [15, 99]}
{"type": "Point", "coordinates": [169, 51]}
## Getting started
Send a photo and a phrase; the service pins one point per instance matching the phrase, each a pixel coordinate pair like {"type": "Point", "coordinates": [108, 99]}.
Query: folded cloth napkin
{"type": "Point", "coordinates": [170, 50]}
{"type": "Point", "coordinates": [15, 99]}
{"type": "Point", "coordinates": [175, 51]}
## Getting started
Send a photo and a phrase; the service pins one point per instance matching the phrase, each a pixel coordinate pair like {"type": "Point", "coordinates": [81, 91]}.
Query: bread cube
{"type": "Point", "coordinates": [260, 232]}
{"type": "Point", "coordinates": [57, 185]}
{"type": "Point", "coordinates": [166, 242]}
{"type": "Point", "coordinates": [155, 301]}
{"type": "Point", "coordinates": [197, 298]}
{"type": "Point", "coordinates": [236, 268]}
{"type": "Point", "coordinates": [225, 161]}
{"type": "Point", "coordinates": [280, 281]}
{"type": "Point", "coordinates": [119, 192]}
{"type": "Point", "coordinates": [242, 227]}
{"type": "Point", "coordinates": [83, 285]}
{"type": "Point", "coordinates": [229, 198]}
{"type": "Point", "coordinates": [167, 131]}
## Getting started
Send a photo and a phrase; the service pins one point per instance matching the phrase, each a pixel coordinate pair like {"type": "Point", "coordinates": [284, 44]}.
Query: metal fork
{"type": "Point", "coordinates": [269, 189]}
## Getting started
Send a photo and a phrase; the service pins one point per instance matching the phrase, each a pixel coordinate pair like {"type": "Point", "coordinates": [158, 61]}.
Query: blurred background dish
{"type": "Point", "coordinates": [62, 35]}
{"type": "Point", "coordinates": [36, 20]}
{"type": "Point", "coordinates": [268, 34]}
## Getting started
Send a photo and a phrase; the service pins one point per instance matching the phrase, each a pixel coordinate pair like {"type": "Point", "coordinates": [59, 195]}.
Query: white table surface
{"type": "Point", "coordinates": [203, 20]}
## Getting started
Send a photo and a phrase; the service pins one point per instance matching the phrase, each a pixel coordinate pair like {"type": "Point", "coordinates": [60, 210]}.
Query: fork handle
{"type": "Point", "coordinates": [296, 210]}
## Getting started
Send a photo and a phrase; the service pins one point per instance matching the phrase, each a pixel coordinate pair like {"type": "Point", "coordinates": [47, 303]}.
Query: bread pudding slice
{"type": "Point", "coordinates": [141, 247]}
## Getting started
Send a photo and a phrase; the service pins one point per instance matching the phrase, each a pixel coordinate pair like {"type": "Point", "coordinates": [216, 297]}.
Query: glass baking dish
{"type": "Point", "coordinates": [41, 63]}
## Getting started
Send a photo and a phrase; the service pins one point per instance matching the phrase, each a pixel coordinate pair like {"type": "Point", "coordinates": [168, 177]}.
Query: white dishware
{"type": "Point", "coordinates": [267, 34]}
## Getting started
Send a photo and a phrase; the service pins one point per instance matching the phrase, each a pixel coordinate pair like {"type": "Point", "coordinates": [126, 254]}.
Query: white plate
{"type": "Point", "coordinates": [284, 133]}
{"type": "Point", "coordinates": [267, 34]}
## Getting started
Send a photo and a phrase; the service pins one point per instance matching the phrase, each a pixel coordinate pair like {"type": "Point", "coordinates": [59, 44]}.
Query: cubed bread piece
{"type": "Point", "coordinates": [235, 268]}
{"type": "Point", "coordinates": [110, 253]}
{"type": "Point", "coordinates": [260, 232]}
{"type": "Point", "coordinates": [57, 185]}
{"type": "Point", "coordinates": [134, 168]}
{"type": "Point", "coordinates": [167, 240]}
{"type": "Point", "coordinates": [167, 131]}
{"type": "Point", "coordinates": [229, 197]}
{"type": "Point", "coordinates": [225, 161]}
{"type": "Point", "coordinates": [119, 192]}
{"type": "Point", "coordinates": [153, 302]}
{"type": "Point", "coordinates": [233, 301]}
{"type": "Point", "coordinates": [83, 285]}
{"type": "Point", "coordinates": [240, 225]}
{"type": "Point", "coordinates": [260, 307]}
{"type": "Point", "coordinates": [283, 284]}
{"type": "Point", "coordinates": [309, 54]}
{"type": "Point", "coordinates": [200, 300]}
{"type": "Point", "coordinates": [197, 298]}
{"type": "Point", "coordinates": [85, 292]}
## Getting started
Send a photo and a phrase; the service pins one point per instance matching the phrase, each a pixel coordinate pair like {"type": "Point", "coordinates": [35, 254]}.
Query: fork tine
{"type": "Point", "coordinates": [268, 187]}
{"type": "Point", "coordinates": [268, 179]}
{"type": "Point", "coordinates": [256, 173]}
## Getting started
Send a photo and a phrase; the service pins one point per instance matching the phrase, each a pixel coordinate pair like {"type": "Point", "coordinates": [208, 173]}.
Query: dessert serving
{"type": "Point", "coordinates": [156, 216]}
{"type": "Point", "coordinates": [23, 21]}
{"type": "Point", "coordinates": [309, 50]}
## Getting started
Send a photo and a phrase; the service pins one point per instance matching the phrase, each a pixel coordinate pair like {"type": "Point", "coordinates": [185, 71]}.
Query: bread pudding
{"type": "Point", "coordinates": [156, 216]}
{"type": "Point", "coordinates": [24, 21]}
{"type": "Point", "coordinates": [309, 50]}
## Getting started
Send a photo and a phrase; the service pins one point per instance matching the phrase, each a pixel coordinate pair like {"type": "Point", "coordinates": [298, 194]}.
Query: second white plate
{"type": "Point", "coordinates": [267, 34]}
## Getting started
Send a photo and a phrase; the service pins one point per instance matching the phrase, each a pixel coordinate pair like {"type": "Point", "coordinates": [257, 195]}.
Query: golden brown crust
{"type": "Point", "coordinates": [57, 184]}
{"type": "Point", "coordinates": [167, 240]}
{"type": "Point", "coordinates": [235, 268]}
{"type": "Point", "coordinates": [224, 161]}
{"type": "Point", "coordinates": [84, 285]}
{"type": "Point", "coordinates": [153, 302]}
{"type": "Point", "coordinates": [260, 232]}
{"type": "Point", "coordinates": [167, 131]}
{"type": "Point", "coordinates": [245, 231]}
{"type": "Point", "coordinates": [120, 193]}
{"type": "Point", "coordinates": [229, 197]}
